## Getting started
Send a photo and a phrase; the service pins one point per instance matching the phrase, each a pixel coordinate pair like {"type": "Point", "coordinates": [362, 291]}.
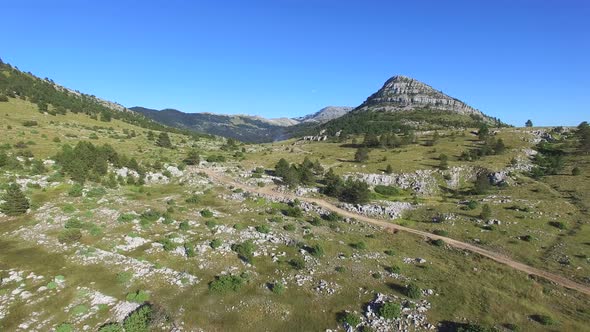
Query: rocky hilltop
{"type": "Point", "coordinates": [405, 93]}
{"type": "Point", "coordinates": [326, 114]}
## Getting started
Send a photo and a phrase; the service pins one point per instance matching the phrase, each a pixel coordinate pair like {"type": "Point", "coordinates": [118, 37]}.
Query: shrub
{"type": "Point", "coordinates": [438, 242]}
{"type": "Point", "coordinates": [184, 226]}
{"type": "Point", "coordinates": [393, 269]}
{"type": "Point", "coordinates": [289, 227]}
{"type": "Point", "coordinates": [76, 190]}
{"type": "Point", "coordinates": [189, 250]}
{"type": "Point", "coordinates": [193, 199]}
{"type": "Point", "coordinates": [30, 123]}
{"type": "Point", "coordinates": [359, 245]}
{"type": "Point", "coordinates": [315, 221]}
{"type": "Point", "coordinates": [126, 217]}
{"type": "Point", "coordinates": [526, 238]}
{"type": "Point", "coordinates": [278, 288]}
{"type": "Point", "coordinates": [389, 310]}
{"type": "Point", "coordinates": [124, 277]}
{"type": "Point", "coordinates": [297, 263]}
{"type": "Point", "coordinates": [138, 296]}
{"type": "Point", "coordinates": [69, 235]}
{"type": "Point", "coordinates": [245, 250]}
{"type": "Point", "coordinates": [472, 205]}
{"type": "Point", "coordinates": [15, 202]}
{"type": "Point", "coordinates": [557, 224]}
{"type": "Point", "coordinates": [216, 243]}
{"type": "Point", "coordinates": [79, 310]}
{"type": "Point", "coordinates": [139, 320]}
{"type": "Point", "coordinates": [332, 216]}
{"type": "Point", "coordinates": [413, 291]}
{"type": "Point", "coordinates": [111, 327]}
{"type": "Point", "coordinates": [263, 229]}
{"type": "Point", "coordinates": [293, 211]}
{"type": "Point", "coordinates": [167, 244]}
{"type": "Point", "coordinates": [340, 269]}
{"type": "Point", "coordinates": [389, 252]}
{"type": "Point", "coordinates": [316, 250]}
{"type": "Point", "coordinates": [206, 213]}
{"type": "Point", "coordinates": [486, 212]}
{"type": "Point", "coordinates": [440, 232]}
{"type": "Point", "coordinates": [387, 190]}
{"type": "Point", "coordinates": [210, 224]}
{"type": "Point", "coordinates": [543, 319]}
{"type": "Point", "coordinates": [96, 192]}
{"type": "Point", "coordinates": [226, 283]}
{"type": "Point", "coordinates": [576, 171]}
{"type": "Point", "coordinates": [349, 318]}
{"type": "Point", "coordinates": [64, 327]}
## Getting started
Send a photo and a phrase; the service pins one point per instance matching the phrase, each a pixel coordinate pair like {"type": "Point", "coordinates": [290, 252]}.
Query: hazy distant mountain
{"type": "Point", "coordinates": [326, 114]}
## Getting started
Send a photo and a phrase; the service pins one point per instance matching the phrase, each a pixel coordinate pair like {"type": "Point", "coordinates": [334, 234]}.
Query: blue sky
{"type": "Point", "coordinates": [513, 59]}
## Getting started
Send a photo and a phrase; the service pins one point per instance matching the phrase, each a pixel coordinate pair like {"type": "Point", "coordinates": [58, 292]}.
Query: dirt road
{"type": "Point", "coordinates": [393, 227]}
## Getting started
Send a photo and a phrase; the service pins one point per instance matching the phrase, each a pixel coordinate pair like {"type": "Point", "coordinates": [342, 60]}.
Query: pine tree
{"type": "Point", "coordinates": [15, 202]}
{"type": "Point", "coordinates": [164, 141]}
{"type": "Point", "coordinates": [362, 154]}
{"type": "Point", "coordinates": [192, 158]}
{"type": "Point", "coordinates": [528, 123]}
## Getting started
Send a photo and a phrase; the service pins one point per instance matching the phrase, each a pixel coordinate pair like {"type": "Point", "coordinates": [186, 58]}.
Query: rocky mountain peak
{"type": "Point", "coordinates": [406, 93]}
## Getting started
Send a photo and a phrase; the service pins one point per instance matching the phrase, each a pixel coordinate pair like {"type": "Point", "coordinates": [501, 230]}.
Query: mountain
{"type": "Point", "coordinates": [404, 103]}
{"type": "Point", "coordinates": [245, 128]}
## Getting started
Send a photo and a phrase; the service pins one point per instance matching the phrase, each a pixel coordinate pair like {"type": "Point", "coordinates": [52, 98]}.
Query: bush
{"type": "Point", "coordinates": [216, 243]}
{"type": "Point", "coordinates": [543, 319]}
{"type": "Point", "coordinates": [245, 250]}
{"type": "Point", "coordinates": [278, 288]}
{"type": "Point", "coordinates": [126, 217]}
{"type": "Point", "coordinates": [167, 244]}
{"type": "Point", "coordinates": [526, 238]}
{"type": "Point", "coordinates": [210, 224]}
{"type": "Point", "coordinates": [359, 245]}
{"type": "Point", "coordinates": [315, 221]}
{"type": "Point", "coordinates": [576, 171]}
{"type": "Point", "coordinates": [413, 291]}
{"type": "Point", "coordinates": [557, 224]}
{"type": "Point", "coordinates": [76, 190]}
{"type": "Point", "coordinates": [316, 250]}
{"type": "Point", "coordinates": [297, 263]}
{"type": "Point", "coordinates": [69, 235]}
{"type": "Point", "coordinates": [393, 269]}
{"type": "Point", "coordinates": [440, 232]}
{"type": "Point", "coordinates": [349, 318]}
{"type": "Point", "coordinates": [263, 229]}
{"type": "Point", "coordinates": [206, 213]}
{"type": "Point", "coordinates": [30, 123]}
{"type": "Point", "coordinates": [387, 190]}
{"type": "Point", "coordinates": [139, 320]}
{"type": "Point", "coordinates": [486, 212]}
{"type": "Point", "coordinates": [332, 216]}
{"type": "Point", "coordinates": [184, 226]}
{"type": "Point", "coordinates": [226, 283]}
{"type": "Point", "coordinates": [340, 269]}
{"type": "Point", "coordinates": [193, 199]}
{"type": "Point", "coordinates": [64, 327]}
{"type": "Point", "coordinates": [138, 296]}
{"type": "Point", "coordinates": [389, 252]}
{"type": "Point", "coordinates": [293, 211]}
{"type": "Point", "coordinates": [124, 277]}
{"type": "Point", "coordinates": [111, 327]}
{"type": "Point", "coordinates": [389, 310]}
{"type": "Point", "coordinates": [289, 227]}
{"type": "Point", "coordinates": [438, 242]}
{"type": "Point", "coordinates": [472, 205]}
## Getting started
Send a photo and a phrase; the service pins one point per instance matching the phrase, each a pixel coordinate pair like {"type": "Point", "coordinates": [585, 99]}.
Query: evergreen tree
{"type": "Point", "coordinates": [371, 140]}
{"type": "Point", "coordinates": [163, 141]}
{"type": "Point", "coordinates": [15, 202]}
{"type": "Point", "coordinates": [362, 154]}
{"type": "Point", "coordinates": [528, 123]}
{"type": "Point", "coordinates": [444, 161]}
{"type": "Point", "coordinates": [281, 168]}
{"type": "Point", "coordinates": [389, 169]}
{"type": "Point", "coordinates": [483, 132]}
{"type": "Point", "coordinates": [333, 183]}
{"type": "Point", "coordinates": [482, 183]}
{"type": "Point", "coordinates": [486, 212]}
{"type": "Point", "coordinates": [192, 158]}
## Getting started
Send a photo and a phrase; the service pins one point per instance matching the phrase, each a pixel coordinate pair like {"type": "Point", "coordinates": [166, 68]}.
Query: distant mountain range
{"type": "Point", "coordinates": [253, 129]}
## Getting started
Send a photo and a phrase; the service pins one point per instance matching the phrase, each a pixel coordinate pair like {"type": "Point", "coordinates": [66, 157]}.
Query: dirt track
{"type": "Point", "coordinates": [393, 227]}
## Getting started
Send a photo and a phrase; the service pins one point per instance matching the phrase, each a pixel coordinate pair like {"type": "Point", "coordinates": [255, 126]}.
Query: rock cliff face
{"type": "Point", "coordinates": [405, 93]}
{"type": "Point", "coordinates": [326, 114]}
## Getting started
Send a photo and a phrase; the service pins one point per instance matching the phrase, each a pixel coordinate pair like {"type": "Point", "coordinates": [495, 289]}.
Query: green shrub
{"type": "Point", "coordinates": [30, 123]}
{"type": "Point", "coordinates": [111, 327]}
{"type": "Point", "coordinates": [349, 318]}
{"type": "Point", "coordinates": [206, 213]}
{"type": "Point", "coordinates": [69, 235]}
{"type": "Point", "coordinates": [557, 224]}
{"type": "Point", "coordinates": [184, 226]}
{"type": "Point", "coordinates": [315, 221]}
{"type": "Point", "coordinates": [15, 202]}
{"type": "Point", "coordinates": [64, 327]}
{"type": "Point", "coordinates": [124, 277]}
{"type": "Point", "coordinates": [139, 296]}
{"type": "Point", "coordinates": [293, 211]}
{"type": "Point", "coordinates": [526, 238]}
{"type": "Point", "coordinates": [79, 310]}
{"type": "Point", "coordinates": [316, 250]}
{"type": "Point", "coordinates": [297, 263]}
{"type": "Point", "coordinates": [167, 244]}
{"type": "Point", "coordinates": [387, 190]}
{"type": "Point", "coordinates": [389, 252]}
{"type": "Point", "coordinates": [438, 242]}
{"type": "Point", "coordinates": [126, 217]}
{"type": "Point", "coordinates": [193, 199]}
{"type": "Point", "coordinates": [189, 250]}
{"type": "Point", "coordinates": [393, 269]}
{"type": "Point", "coordinates": [263, 229]}
{"type": "Point", "coordinates": [389, 310]}
{"type": "Point", "coordinates": [576, 171]}
{"type": "Point", "coordinates": [289, 227]}
{"type": "Point", "coordinates": [340, 269]}
{"type": "Point", "coordinates": [543, 319]}
{"type": "Point", "coordinates": [278, 288]}
{"type": "Point", "coordinates": [245, 250]}
{"type": "Point", "coordinates": [359, 245]}
{"type": "Point", "coordinates": [332, 216]}
{"type": "Point", "coordinates": [210, 224]}
{"type": "Point", "coordinates": [139, 320]}
{"type": "Point", "coordinates": [216, 243]}
{"type": "Point", "coordinates": [226, 283]}
{"type": "Point", "coordinates": [440, 232]}
{"type": "Point", "coordinates": [413, 291]}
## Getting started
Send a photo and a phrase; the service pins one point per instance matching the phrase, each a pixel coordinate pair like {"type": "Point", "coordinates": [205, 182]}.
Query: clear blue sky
{"type": "Point", "coordinates": [513, 59]}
